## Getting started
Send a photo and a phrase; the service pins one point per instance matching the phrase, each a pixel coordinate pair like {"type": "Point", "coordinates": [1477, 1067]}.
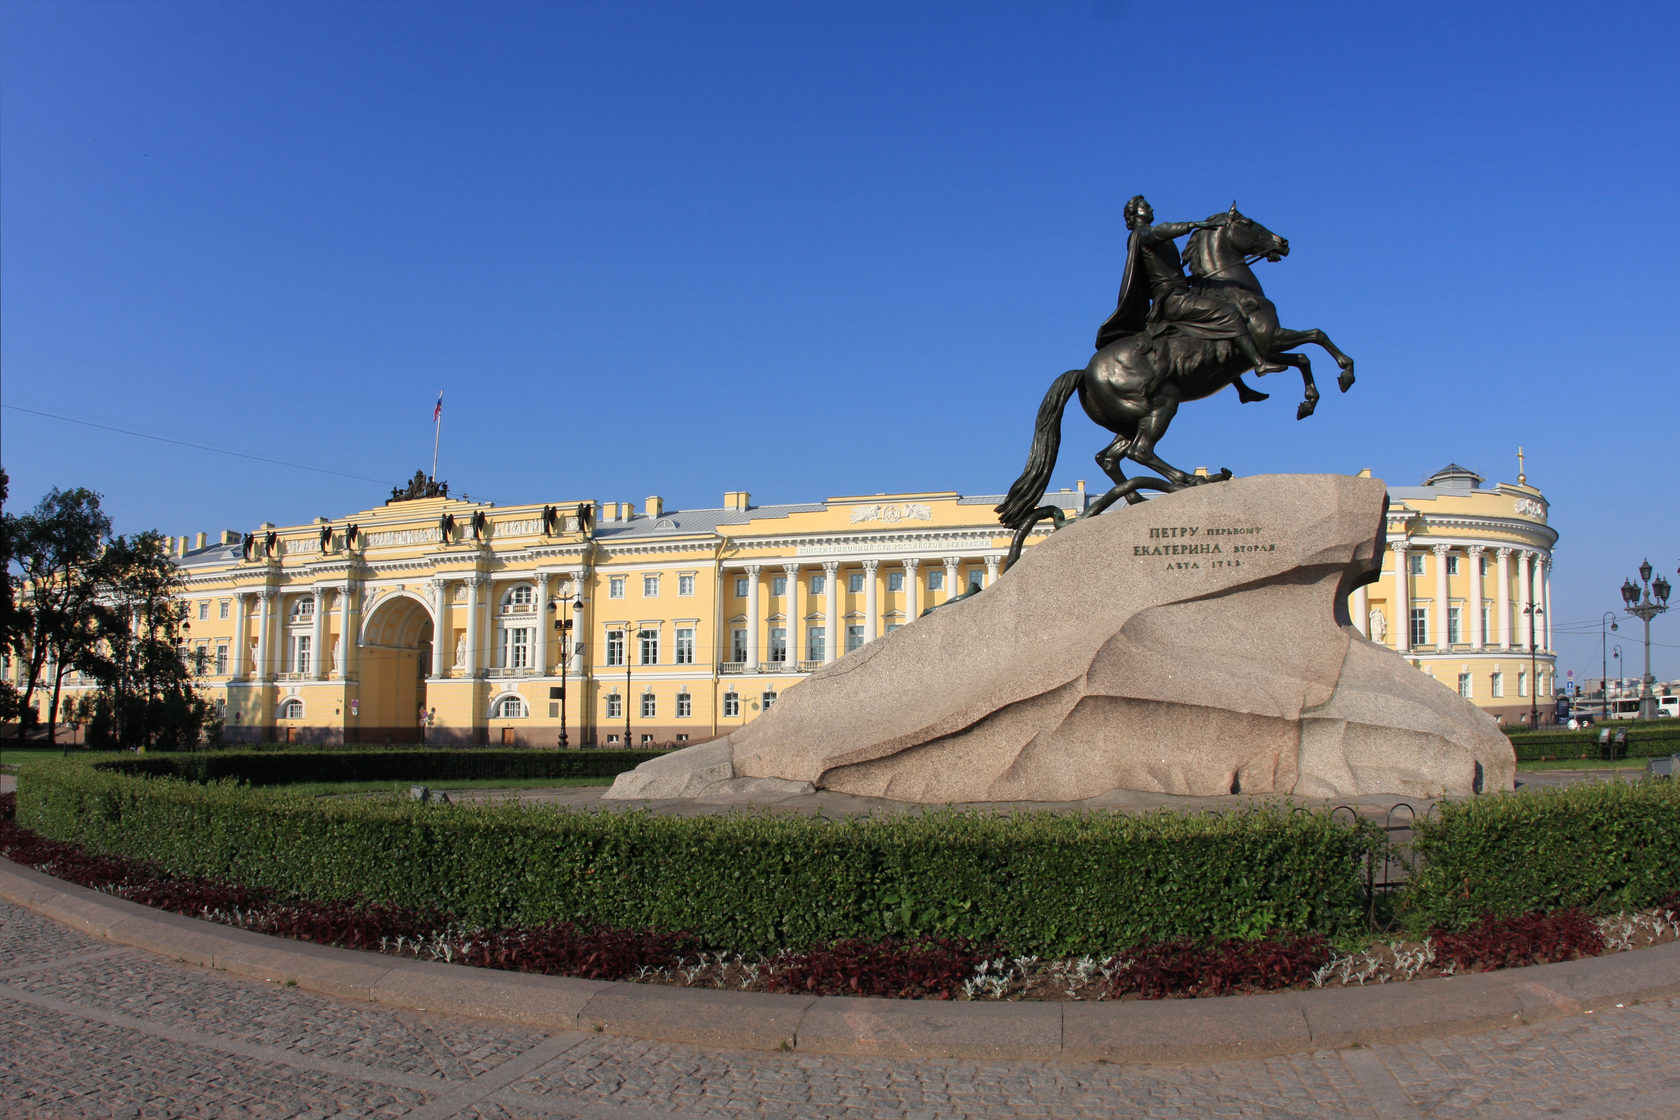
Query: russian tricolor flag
{"type": "Point", "coordinates": [437, 412]}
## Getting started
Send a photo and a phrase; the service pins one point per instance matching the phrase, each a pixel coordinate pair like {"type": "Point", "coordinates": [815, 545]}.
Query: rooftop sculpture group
{"type": "Point", "coordinates": [1172, 338]}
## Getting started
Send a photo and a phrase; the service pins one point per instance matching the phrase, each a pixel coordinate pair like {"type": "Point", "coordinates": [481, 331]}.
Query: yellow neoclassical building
{"type": "Point", "coordinates": [459, 621]}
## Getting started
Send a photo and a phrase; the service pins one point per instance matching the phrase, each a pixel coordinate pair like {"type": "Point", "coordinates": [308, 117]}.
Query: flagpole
{"type": "Point", "coordinates": [437, 431]}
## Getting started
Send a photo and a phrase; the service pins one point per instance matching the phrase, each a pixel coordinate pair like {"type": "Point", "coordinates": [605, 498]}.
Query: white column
{"type": "Point", "coordinates": [1477, 638]}
{"type": "Point", "coordinates": [318, 637]}
{"type": "Point", "coordinates": [346, 598]}
{"type": "Point", "coordinates": [911, 600]}
{"type": "Point", "coordinates": [1402, 597]}
{"type": "Point", "coordinates": [755, 617]}
{"type": "Point", "coordinates": [791, 571]}
{"type": "Point", "coordinates": [1504, 598]}
{"type": "Point", "coordinates": [265, 619]}
{"type": "Point", "coordinates": [1443, 605]}
{"type": "Point", "coordinates": [1546, 603]}
{"type": "Point", "coordinates": [1361, 609]}
{"type": "Point", "coordinates": [241, 636]}
{"type": "Point", "coordinates": [832, 621]}
{"type": "Point", "coordinates": [1525, 601]}
{"type": "Point", "coordinates": [545, 628]}
{"type": "Point", "coordinates": [440, 628]}
{"type": "Point", "coordinates": [871, 601]}
{"type": "Point", "coordinates": [951, 588]}
{"type": "Point", "coordinates": [992, 563]}
{"type": "Point", "coordinates": [475, 622]}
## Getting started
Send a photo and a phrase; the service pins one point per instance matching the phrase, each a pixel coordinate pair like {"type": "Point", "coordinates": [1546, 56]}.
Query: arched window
{"type": "Point", "coordinates": [518, 599]}
{"type": "Point", "coordinates": [509, 707]}
{"type": "Point", "coordinates": [303, 609]}
{"type": "Point", "coordinates": [292, 709]}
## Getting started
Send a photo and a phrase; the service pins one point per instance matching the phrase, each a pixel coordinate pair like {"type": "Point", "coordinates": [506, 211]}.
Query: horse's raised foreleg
{"type": "Point", "coordinates": [1309, 388]}
{"type": "Point", "coordinates": [1287, 339]}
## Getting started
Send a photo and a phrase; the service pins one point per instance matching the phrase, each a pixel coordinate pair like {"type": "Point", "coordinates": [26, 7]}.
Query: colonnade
{"type": "Point", "coordinates": [1517, 621]}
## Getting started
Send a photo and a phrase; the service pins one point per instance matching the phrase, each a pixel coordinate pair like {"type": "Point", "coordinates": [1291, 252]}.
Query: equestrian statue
{"type": "Point", "coordinates": [1172, 338]}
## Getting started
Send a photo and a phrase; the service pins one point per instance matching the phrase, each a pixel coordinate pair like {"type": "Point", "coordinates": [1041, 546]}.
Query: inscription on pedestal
{"type": "Point", "coordinates": [1184, 548]}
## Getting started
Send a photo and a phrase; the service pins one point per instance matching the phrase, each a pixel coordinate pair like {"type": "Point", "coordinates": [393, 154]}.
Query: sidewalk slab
{"type": "Point", "coordinates": [701, 1017]}
{"type": "Point", "coordinates": [1411, 1010]}
{"type": "Point", "coordinates": [932, 1028]}
{"type": "Point", "coordinates": [1185, 1030]}
{"type": "Point", "coordinates": [1598, 982]}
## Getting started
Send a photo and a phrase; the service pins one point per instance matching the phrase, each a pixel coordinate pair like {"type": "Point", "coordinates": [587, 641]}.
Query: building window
{"type": "Point", "coordinates": [304, 609]}
{"type": "Point", "coordinates": [615, 647]}
{"type": "Point", "coordinates": [1498, 688]}
{"type": "Point", "coordinates": [509, 707]}
{"type": "Point", "coordinates": [1420, 626]}
{"type": "Point", "coordinates": [611, 740]}
{"type": "Point", "coordinates": [204, 611]}
{"type": "Point", "coordinates": [816, 643]}
{"type": "Point", "coordinates": [222, 609]}
{"type": "Point", "coordinates": [936, 580]}
{"type": "Point", "coordinates": [615, 706]}
{"type": "Point", "coordinates": [740, 587]}
{"type": "Point", "coordinates": [731, 704]}
{"type": "Point", "coordinates": [737, 645]}
{"type": "Point", "coordinates": [819, 585]}
{"type": "Point", "coordinates": [1455, 625]}
{"type": "Point", "coordinates": [895, 581]}
{"type": "Point", "coordinates": [650, 587]}
{"type": "Point", "coordinates": [518, 599]}
{"type": "Point", "coordinates": [650, 706]}
{"type": "Point", "coordinates": [854, 638]}
{"type": "Point", "coordinates": [221, 660]}
{"type": "Point", "coordinates": [292, 709]}
{"type": "Point", "coordinates": [516, 648]}
{"type": "Point", "coordinates": [1522, 684]}
{"type": "Point", "coordinates": [685, 705]}
{"type": "Point", "coordinates": [778, 644]}
{"type": "Point", "coordinates": [778, 585]}
{"type": "Point", "coordinates": [1416, 562]}
{"type": "Point", "coordinates": [891, 626]}
{"type": "Point", "coordinates": [685, 645]}
{"type": "Point", "coordinates": [976, 579]}
{"type": "Point", "coordinates": [854, 582]}
{"type": "Point", "coordinates": [1464, 685]}
{"type": "Point", "coordinates": [685, 585]}
{"type": "Point", "coordinates": [647, 740]}
{"type": "Point", "coordinates": [1452, 565]}
{"type": "Point", "coordinates": [768, 698]}
{"type": "Point", "coordinates": [650, 647]}
{"type": "Point", "coordinates": [300, 653]}
{"type": "Point", "coordinates": [615, 587]}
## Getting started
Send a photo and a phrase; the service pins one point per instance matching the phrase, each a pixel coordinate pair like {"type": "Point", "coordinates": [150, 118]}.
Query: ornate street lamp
{"type": "Point", "coordinates": [1645, 607]}
{"type": "Point", "coordinates": [563, 624]}
{"type": "Point", "coordinates": [1604, 665]}
{"type": "Point", "coordinates": [1533, 611]}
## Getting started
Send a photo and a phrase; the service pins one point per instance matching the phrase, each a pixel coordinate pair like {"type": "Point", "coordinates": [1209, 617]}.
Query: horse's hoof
{"type": "Point", "coordinates": [1305, 410]}
{"type": "Point", "coordinates": [1345, 380]}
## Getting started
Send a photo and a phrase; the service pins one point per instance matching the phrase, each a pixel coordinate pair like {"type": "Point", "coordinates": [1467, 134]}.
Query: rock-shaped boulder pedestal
{"type": "Point", "coordinates": [1197, 643]}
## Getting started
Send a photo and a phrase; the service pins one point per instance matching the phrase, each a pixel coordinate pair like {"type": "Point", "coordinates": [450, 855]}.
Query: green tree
{"type": "Point", "coordinates": [54, 592]}
{"type": "Point", "coordinates": [146, 696]}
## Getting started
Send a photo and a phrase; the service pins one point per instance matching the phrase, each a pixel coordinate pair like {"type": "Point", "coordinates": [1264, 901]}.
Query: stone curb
{"type": "Point", "coordinates": [1196, 1030]}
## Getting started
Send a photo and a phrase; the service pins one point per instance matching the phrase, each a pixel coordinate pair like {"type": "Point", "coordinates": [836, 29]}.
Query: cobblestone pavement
{"type": "Point", "coordinates": [89, 1029]}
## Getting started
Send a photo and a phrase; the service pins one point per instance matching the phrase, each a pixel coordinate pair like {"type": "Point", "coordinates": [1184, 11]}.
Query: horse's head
{"type": "Point", "coordinates": [1249, 237]}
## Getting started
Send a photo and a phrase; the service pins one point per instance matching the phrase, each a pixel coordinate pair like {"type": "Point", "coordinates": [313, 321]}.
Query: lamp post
{"type": "Point", "coordinates": [1616, 656]}
{"type": "Point", "coordinates": [1604, 665]}
{"type": "Point", "coordinates": [563, 624]}
{"type": "Point", "coordinates": [1533, 612]}
{"type": "Point", "coordinates": [1653, 602]}
{"type": "Point", "coordinates": [630, 630]}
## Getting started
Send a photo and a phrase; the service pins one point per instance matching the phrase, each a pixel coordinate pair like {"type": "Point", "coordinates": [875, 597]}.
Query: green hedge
{"type": "Point", "coordinates": [269, 768]}
{"type": "Point", "coordinates": [1645, 740]}
{"type": "Point", "coordinates": [1602, 846]}
{"type": "Point", "coordinates": [746, 882]}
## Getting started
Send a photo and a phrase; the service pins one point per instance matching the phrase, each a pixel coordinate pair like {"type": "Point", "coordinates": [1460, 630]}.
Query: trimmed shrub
{"type": "Point", "coordinates": [1599, 847]}
{"type": "Point", "coordinates": [271, 768]}
{"type": "Point", "coordinates": [1645, 740]}
{"type": "Point", "coordinates": [748, 882]}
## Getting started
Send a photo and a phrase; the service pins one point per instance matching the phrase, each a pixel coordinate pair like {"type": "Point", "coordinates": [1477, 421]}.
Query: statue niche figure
{"type": "Point", "coordinates": [1171, 339]}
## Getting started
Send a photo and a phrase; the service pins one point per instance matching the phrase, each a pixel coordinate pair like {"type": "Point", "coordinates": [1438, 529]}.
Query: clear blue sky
{"type": "Point", "coordinates": [808, 249]}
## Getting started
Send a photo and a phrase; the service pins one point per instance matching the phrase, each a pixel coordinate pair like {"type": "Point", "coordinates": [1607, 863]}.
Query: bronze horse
{"type": "Point", "coordinates": [1134, 385]}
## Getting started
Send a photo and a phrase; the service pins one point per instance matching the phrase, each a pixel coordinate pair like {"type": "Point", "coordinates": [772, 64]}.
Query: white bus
{"type": "Point", "coordinates": [1627, 707]}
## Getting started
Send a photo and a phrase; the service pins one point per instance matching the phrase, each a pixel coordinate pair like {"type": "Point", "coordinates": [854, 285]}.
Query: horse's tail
{"type": "Point", "coordinates": [1041, 460]}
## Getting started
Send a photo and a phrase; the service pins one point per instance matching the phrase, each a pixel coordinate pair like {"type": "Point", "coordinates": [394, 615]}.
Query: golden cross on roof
{"type": "Point", "coordinates": [1522, 479]}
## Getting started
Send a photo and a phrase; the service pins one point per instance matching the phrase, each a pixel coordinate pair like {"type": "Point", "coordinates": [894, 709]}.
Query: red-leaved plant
{"type": "Point", "coordinates": [1563, 935]}
{"type": "Point", "coordinates": [1186, 969]}
{"type": "Point", "coordinates": [896, 969]}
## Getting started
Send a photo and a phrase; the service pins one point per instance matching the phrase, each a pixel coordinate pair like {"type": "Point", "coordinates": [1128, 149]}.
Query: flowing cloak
{"type": "Point", "coordinates": [1131, 309]}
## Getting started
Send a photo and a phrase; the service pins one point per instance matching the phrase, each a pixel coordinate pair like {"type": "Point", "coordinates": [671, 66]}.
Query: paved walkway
{"type": "Point", "coordinates": [92, 1028]}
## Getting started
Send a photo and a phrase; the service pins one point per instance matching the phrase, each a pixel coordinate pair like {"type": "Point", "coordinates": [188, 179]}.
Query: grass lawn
{"type": "Point", "coordinates": [1584, 764]}
{"type": "Point", "coordinates": [11, 755]}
